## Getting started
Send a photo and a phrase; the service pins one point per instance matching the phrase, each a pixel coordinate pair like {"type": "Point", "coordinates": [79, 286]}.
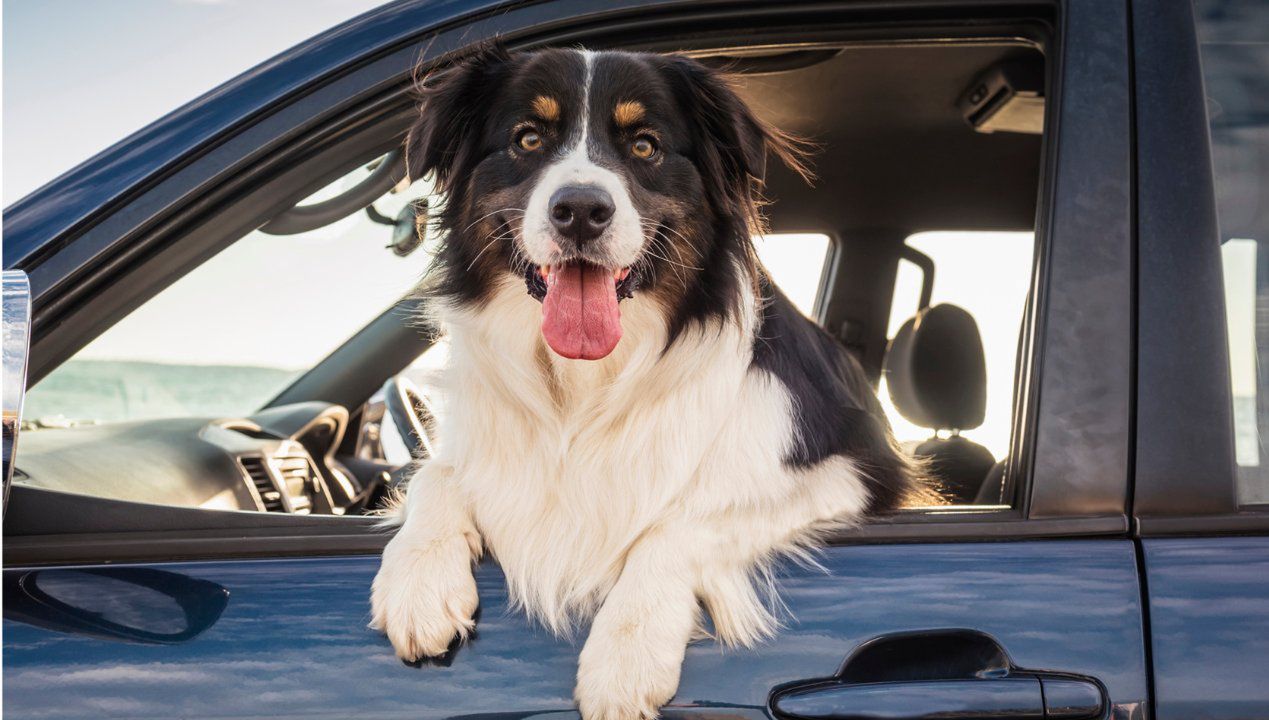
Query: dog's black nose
{"type": "Point", "coordinates": [581, 212]}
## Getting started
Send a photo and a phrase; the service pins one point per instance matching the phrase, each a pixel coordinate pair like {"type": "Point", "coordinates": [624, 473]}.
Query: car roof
{"type": "Point", "coordinates": [895, 152]}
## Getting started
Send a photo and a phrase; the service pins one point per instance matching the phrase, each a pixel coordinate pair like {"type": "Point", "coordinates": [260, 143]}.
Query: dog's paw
{"type": "Point", "coordinates": [424, 595]}
{"type": "Point", "coordinates": [623, 678]}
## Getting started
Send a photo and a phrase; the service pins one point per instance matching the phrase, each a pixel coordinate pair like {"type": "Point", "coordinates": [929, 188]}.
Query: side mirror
{"type": "Point", "coordinates": [17, 345]}
{"type": "Point", "coordinates": [409, 228]}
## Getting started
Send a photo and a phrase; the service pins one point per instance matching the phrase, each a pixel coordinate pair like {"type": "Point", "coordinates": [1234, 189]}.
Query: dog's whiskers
{"type": "Point", "coordinates": [505, 233]}
{"type": "Point", "coordinates": [677, 267]}
{"type": "Point", "coordinates": [679, 253]}
{"type": "Point", "coordinates": [682, 237]}
{"type": "Point", "coordinates": [495, 212]}
{"type": "Point", "coordinates": [660, 243]}
{"type": "Point", "coordinates": [654, 241]}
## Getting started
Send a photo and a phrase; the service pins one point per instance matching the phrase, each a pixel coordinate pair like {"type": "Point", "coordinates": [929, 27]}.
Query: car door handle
{"type": "Point", "coordinates": [1016, 698]}
{"type": "Point", "coordinates": [948, 675]}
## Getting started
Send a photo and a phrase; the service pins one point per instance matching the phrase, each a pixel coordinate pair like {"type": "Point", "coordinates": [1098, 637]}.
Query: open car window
{"type": "Point", "coordinates": [988, 275]}
{"type": "Point", "coordinates": [228, 338]}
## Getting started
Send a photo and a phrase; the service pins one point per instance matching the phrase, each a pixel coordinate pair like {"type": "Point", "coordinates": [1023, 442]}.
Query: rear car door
{"type": "Point", "coordinates": [118, 609]}
{"type": "Point", "coordinates": [1202, 492]}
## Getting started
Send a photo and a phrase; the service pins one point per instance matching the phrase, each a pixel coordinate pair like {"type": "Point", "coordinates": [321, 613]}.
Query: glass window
{"type": "Point", "coordinates": [1234, 49]}
{"type": "Point", "coordinates": [988, 275]}
{"type": "Point", "coordinates": [796, 263]}
{"type": "Point", "coordinates": [227, 337]}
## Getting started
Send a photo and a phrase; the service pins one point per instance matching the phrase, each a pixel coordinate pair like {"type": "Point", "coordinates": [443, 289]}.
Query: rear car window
{"type": "Point", "coordinates": [1234, 49]}
{"type": "Point", "coordinates": [796, 264]}
{"type": "Point", "coordinates": [986, 274]}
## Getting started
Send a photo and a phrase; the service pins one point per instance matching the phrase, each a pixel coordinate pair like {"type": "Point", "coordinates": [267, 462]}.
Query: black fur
{"type": "Point", "coordinates": [836, 411]}
{"type": "Point", "coordinates": [729, 147]}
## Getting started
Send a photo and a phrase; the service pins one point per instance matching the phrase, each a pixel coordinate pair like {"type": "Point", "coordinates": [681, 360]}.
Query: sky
{"type": "Point", "coordinates": [80, 75]}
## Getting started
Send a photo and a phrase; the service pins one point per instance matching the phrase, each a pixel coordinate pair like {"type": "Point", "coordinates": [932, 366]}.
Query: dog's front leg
{"type": "Point", "coordinates": [424, 595]}
{"type": "Point", "coordinates": [630, 664]}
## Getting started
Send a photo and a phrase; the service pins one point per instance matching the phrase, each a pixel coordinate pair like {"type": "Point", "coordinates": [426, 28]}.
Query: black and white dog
{"type": "Point", "coordinates": [638, 423]}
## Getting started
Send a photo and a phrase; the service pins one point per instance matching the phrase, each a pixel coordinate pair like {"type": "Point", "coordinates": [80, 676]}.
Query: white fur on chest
{"type": "Point", "coordinates": [565, 464]}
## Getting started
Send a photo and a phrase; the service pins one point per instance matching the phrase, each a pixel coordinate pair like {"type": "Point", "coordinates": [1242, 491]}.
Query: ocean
{"type": "Point", "coordinates": [118, 390]}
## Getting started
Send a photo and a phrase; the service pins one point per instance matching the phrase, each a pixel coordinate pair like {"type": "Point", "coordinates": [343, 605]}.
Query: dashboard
{"type": "Point", "coordinates": [281, 460]}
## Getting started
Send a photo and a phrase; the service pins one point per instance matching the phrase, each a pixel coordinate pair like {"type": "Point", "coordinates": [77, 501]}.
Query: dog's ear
{"type": "Point", "coordinates": [452, 103]}
{"type": "Point", "coordinates": [732, 143]}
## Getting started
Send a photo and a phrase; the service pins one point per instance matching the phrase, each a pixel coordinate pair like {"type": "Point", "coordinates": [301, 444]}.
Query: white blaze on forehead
{"type": "Point", "coordinates": [623, 240]}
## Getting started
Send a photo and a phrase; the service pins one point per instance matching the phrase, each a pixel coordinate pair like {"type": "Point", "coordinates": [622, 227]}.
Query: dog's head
{"type": "Point", "coordinates": [593, 177]}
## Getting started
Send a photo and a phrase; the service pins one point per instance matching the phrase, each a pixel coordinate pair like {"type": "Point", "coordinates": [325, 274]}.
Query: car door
{"type": "Point", "coordinates": [1202, 496]}
{"type": "Point", "coordinates": [116, 609]}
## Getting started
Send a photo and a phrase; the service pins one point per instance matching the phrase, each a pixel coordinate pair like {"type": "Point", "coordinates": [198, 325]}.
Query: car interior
{"type": "Point", "coordinates": [913, 136]}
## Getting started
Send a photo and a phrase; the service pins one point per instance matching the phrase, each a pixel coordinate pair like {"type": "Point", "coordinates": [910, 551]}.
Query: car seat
{"type": "Point", "coordinates": [937, 378]}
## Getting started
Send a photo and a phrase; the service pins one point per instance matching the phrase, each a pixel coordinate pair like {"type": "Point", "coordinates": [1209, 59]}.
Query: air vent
{"type": "Point", "coordinates": [258, 474]}
{"type": "Point", "coordinates": [297, 477]}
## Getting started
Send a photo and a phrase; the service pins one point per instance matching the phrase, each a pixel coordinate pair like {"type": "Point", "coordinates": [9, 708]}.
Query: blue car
{"type": "Point", "coordinates": [216, 371]}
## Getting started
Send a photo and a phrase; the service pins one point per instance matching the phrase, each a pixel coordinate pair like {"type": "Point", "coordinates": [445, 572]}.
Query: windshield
{"type": "Point", "coordinates": [234, 332]}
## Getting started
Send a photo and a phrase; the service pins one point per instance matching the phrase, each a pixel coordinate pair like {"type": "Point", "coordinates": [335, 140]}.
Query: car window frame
{"type": "Point", "coordinates": [1072, 484]}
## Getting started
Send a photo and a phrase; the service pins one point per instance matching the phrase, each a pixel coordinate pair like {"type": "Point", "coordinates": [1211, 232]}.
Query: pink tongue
{"type": "Point", "coordinates": [580, 319]}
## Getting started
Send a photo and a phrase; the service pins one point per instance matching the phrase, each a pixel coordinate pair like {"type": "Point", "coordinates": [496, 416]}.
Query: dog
{"type": "Point", "coordinates": [637, 422]}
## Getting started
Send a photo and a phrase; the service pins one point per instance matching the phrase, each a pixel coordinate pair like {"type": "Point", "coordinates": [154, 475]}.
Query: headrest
{"type": "Point", "coordinates": [936, 372]}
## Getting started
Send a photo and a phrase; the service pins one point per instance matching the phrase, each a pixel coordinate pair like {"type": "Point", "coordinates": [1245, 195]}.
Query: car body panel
{"type": "Point", "coordinates": [1209, 620]}
{"type": "Point", "coordinates": [290, 637]}
{"type": "Point", "coordinates": [293, 642]}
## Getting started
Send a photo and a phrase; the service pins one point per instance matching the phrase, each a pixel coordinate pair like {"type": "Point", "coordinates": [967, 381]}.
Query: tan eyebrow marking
{"type": "Point", "coordinates": [628, 113]}
{"type": "Point", "coordinates": [547, 108]}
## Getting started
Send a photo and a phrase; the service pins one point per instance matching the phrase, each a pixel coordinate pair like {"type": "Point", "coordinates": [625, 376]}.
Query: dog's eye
{"type": "Point", "coordinates": [529, 140]}
{"type": "Point", "coordinates": [644, 147]}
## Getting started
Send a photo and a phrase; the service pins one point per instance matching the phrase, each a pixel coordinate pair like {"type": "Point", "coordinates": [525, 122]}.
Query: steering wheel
{"type": "Point", "coordinates": [411, 414]}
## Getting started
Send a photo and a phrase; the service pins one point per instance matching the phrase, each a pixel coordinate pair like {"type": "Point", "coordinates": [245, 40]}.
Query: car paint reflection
{"type": "Point", "coordinates": [294, 641]}
{"type": "Point", "coordinates": [141, 605]}
{"type": "Point", "coordinates": [1209, 613]}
